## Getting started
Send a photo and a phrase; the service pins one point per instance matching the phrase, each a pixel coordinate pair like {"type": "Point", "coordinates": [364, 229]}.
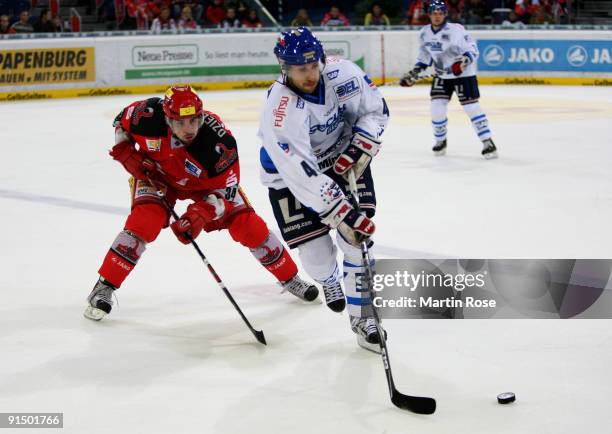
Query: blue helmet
{"type": "Point", "coordinates": [299, 47]}
{"type": "Point", "coordinates": [437, 5]}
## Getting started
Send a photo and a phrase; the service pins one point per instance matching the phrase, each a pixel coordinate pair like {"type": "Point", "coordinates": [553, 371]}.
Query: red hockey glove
{"type": "Point", "coordinates": [134, 162]}
{"type": "Point", "coordinates": [459, 66]}
{"type": "Point", "coordinates": [197, 216]}
{"type": "Point", "coordinates": [354, 226]}
{"type": "Point", "coordinates": [357, 155]}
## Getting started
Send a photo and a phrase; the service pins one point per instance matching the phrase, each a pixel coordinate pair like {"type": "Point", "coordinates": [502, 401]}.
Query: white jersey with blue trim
{"type": "Point", "coordinates": [443, 47]}
{"type": "Point", "coordinates": [303, 134]}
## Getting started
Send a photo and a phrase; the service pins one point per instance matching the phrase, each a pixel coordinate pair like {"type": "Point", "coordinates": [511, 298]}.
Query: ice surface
{"type": "Point", "coordinates": [175, 357]}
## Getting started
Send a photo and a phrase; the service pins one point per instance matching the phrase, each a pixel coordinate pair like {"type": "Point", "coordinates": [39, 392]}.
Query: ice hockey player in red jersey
{"type": "Point", "coordinates": [189, 154]}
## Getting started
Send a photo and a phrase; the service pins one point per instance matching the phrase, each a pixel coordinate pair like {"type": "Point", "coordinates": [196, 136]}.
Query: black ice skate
{"type": "Point", "coordinates": [334, 297]}
{"type": "Point", "coordinates": [439, 148]}
{"type": "Point", "coordinates": [489, 150]}
{"type": "Point", "coordinates": [100, 300]}
{"type": "Point", "coordinates": [367, 333]}
{"type": "Point", "coordinates": [300, 288]}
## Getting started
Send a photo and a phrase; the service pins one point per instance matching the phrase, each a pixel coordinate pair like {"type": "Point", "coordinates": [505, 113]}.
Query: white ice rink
{"type": "Point", "coordinates": [174, 357]}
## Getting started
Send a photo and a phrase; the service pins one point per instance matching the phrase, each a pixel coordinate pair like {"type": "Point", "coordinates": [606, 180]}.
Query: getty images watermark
{"type": "Point", "coordinates": [493, 288]}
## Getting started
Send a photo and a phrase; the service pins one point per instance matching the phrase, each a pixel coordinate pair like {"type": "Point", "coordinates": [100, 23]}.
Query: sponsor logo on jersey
{"type": "Point", "coordinates": [434, 46]}
{"type": "Point", "coordinates": [445, 37]}
{"type": "Point", "coordinates": [331, 124]}
{"type": "Point", "coordinates": [280, 112]}
{"type": "Point", "coordinates": [493, 55]}
{"type": "Point", "coordinates": [300, 103]}
{"type": "Point", "coordinates": [192, 168]}
{"type": "Point", "coordinates": [226, 158]}
{"type": "Point", "coordinates": [333, 74]}
{"type": "Point", "coordinates": [577, 55]}
{"type": "Point", "coordinates": [347, 89]}
{"type": "Point", "coordinates": [284, 147]}
{"type": "Point", "coordinates": [215, 125]}
{"type": "Point", "coordinates": [153, 145]}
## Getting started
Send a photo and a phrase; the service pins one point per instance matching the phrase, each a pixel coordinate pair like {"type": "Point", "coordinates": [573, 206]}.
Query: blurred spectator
{"type": "Point", "coordinates": [186, 22]}
{"type": "Point", "coordinates": [23, 25]}
{"type": "Point", "coordinates": [525, 9]}
{"type": "Point", "coordinates": [141, 12]}
{"type": "Point", "coordinates": [455, 10]}
{"type": "Point", "coordinates": [417, 13]}
{"type": "Point", "coordinates": [5, 25]}
{"type": "Point", "coordinates": [164, 21]}
{"type": "Point", "coordinates": [45, 22]}
{"type": "Point", "coordinates": [559, 12]}
{"type": "Point", "coordinates": [252, 20]}
{"type": "Point", "coordinates": [215, 13]}
{"type": "Point", "coordinates": [241, 10]}
{"type": "Point", "coordinates": [475, 11]}
{"type": "Point", "coordinates": [513, 21]}
{"type": "Point", "coordinates": [376, 17]}
{"type": "Point", "coordinates": [231, 20]}
{"type": "Point", "coordinates": [541, 16]}
{"type": "Point", "coordinates": [335, 18]}
{"type": "Point", "coordinates": [57, 22]}
{"type": "Point", "coordinates": [301, 19]}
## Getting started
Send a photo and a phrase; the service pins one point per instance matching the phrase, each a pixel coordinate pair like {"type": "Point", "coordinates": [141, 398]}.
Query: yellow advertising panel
{"type": "Point", "coordinates": [47, 66]}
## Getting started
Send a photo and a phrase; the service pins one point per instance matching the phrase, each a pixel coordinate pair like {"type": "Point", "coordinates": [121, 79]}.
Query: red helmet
{"type": "Point", "coordinates": [182, 102]}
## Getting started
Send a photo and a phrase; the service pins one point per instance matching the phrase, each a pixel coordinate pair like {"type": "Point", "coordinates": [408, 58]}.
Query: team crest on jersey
{"type": "Point", "coordinates": [300, 103]}
{"type": "Point", "coordinates": [226, 158]}
{"type": "Point", "coordinates": [153, 145]}
{"type": "Point", "coordinates": [347, 89]}
{"type": "Point", "coordinates": [333, 74]}
{"type": "Point", "coordinates": [192, 168]}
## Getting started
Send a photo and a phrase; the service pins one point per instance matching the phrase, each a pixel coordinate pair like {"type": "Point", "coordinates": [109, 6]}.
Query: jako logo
{"type": "Point", "coordinates": [280, 112]}
{"type": "Point", "coordinates": [577, 55]}
{"type": "Point", "coordinates": [493, 55]}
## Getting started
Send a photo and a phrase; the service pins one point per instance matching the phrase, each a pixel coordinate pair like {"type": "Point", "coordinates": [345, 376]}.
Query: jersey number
{"type": "Point", "coordinates": [288, 210]}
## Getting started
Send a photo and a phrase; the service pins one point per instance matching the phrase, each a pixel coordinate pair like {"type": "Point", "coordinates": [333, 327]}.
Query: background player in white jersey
{"type": "Point", "coordinates": [453, 54]}
{"type": "Point", "coordinates": [322, 118]}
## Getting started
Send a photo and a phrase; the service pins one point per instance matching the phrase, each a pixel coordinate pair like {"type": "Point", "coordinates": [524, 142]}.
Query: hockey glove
{"type": "Point", "coordinates": [357, 155]}
{"type": "Point", "coordinates": [197, 216]}
{"type": "Point", "coordinates": [354, 226]}
{"type": "Point", "coordinates": [135, 163]}
{"type": "Point", "coordinates": [411, 77]}
{"type": "Point", "coordinates": [460, 64]}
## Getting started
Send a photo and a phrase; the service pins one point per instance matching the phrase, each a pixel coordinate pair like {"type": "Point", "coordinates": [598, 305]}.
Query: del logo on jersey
{"type": "Point", "coordinates": [348, 89]}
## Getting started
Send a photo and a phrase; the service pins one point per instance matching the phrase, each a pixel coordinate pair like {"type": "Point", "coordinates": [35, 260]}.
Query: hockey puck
{"type": "Point", "coordinates": [506, 398]}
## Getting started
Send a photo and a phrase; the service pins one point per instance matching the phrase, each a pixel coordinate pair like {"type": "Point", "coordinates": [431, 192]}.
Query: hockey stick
{"type": "Point", "coordinates": [418, 79]}
{"type": "Point", "coordinates": [257, 333]}
{"type": "Point", "coordinates": [415, 404]}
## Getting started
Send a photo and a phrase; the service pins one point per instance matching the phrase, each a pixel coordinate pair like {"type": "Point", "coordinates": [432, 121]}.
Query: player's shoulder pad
{"type": "Point", "coordinates": [457, 27]}
{"type": "Point", "coordinates": [284, 109]}
{"type": "Point", "coordinates": [145, 118]}
{"type": "Point", "coordinates": [214, 147]}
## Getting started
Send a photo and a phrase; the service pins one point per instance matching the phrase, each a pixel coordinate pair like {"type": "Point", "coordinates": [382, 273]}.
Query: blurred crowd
{"type": "Point", "coordinates": [159, 15]}
{"type": "Point", "coordinates": [15, 17]}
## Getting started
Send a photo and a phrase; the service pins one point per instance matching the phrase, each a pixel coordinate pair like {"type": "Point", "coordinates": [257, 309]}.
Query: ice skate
{"type": "Point", "coordinates": [489, 151]}
{"type": "Point", "coordinates": [439, 148]}
{"type": "Point", "coordinates": [100, 300]}
{"type": "Point", "coordinates": [367, 333]}
{"type": "Point", "coordinates": [300, 288]}
{"type": "Point", "coordinates": [334, 297]}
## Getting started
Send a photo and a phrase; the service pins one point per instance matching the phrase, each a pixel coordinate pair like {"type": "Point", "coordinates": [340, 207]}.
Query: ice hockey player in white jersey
{"type": "Point", "coordinates": [453, 53]}
{"type": "Point", "coordinates": [322, 118]}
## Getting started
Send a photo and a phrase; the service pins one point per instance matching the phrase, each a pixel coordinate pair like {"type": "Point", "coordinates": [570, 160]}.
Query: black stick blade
{"type": "Point", "coordinates": [415, 404]}
{"type": "Point", "coordinates": [259, 336]}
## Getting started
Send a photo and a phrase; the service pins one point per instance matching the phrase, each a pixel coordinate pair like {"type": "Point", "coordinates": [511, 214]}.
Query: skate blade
{"type": "Point", "coordinates": [93, 313]}
{"type": "Point", "coordinates": [440, 153]}
{"type": "Point", "coordinates": [375, 348]}
{"type": "Point", "coordinates": [490, 156]}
